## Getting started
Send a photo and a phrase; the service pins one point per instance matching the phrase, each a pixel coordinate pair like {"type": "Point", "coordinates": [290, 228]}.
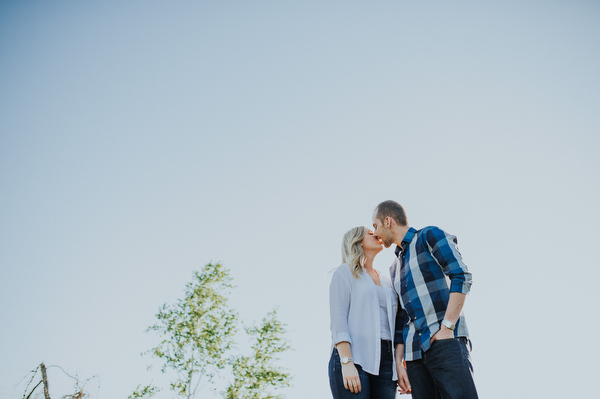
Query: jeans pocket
{"type": "Point", "coordinates": [443, 345]}
{"type": "Point", "coordinates": [446, 340]}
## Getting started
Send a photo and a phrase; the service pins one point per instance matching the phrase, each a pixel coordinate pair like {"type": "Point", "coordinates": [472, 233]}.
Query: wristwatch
{"type": "Point", "coordinates": [448, 325]}
{"type": "Point", "coordinates": [346, 360]}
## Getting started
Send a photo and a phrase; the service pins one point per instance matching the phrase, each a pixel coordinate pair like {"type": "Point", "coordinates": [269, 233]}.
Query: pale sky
{"type": "Point", "coordinates": [140, 140]}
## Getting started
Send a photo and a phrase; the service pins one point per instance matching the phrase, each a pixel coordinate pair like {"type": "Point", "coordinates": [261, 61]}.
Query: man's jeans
{"type": "Point", "coordinates": [372, 386]}
{"type": "Point", "coordinates": [445, 371]}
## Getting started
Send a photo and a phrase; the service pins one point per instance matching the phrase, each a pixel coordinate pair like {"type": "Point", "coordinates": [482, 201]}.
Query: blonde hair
{"type": "Point", "coordinates": [352, 251]}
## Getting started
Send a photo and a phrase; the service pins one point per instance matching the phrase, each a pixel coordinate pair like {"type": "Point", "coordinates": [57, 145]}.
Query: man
{"type": "Point", "coordinates": [431, 281]}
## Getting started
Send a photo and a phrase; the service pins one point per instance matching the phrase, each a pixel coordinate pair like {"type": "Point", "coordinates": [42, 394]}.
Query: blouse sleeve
{"type": "Point", "coordinates": [339, 307]}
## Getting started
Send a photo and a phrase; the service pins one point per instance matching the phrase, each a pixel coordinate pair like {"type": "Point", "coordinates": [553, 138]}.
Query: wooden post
{"type": "Point", "coordinates": [45, 379]}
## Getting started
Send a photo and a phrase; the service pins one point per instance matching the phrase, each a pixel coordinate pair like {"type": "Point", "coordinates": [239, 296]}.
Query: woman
{"type": "Point", "coordinates": [363, 310]}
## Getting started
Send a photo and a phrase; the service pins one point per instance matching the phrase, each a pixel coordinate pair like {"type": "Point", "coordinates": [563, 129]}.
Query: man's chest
{"type": "Point", "coordinates": [416, 267]}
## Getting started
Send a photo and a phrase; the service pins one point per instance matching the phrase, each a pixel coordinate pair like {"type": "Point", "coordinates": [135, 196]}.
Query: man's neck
{"type": "Point", "coordinates": [399, 234]}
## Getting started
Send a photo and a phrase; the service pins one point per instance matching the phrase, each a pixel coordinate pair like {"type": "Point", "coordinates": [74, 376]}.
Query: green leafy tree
{"type": "Point", "coordinates": [256, 376]}
{"type": "Point", "coordinates": [197, 332]}
{"type": "Point", "coordinates": [146, 391]}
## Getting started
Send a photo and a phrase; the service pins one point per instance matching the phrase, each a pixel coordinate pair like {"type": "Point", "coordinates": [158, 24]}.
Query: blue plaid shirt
{"type": "Point", "coordinates": [427, 269]}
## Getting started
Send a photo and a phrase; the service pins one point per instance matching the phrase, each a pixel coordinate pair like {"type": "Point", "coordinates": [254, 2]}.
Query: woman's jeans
{"type": "Point", "coordinates": [372, 386]}
{"type": "Point", "coordinates": [445, 371]}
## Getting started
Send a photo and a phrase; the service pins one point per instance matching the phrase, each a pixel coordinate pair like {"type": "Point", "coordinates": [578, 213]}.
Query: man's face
{"type": "Point", "coordinates": [383, 232]}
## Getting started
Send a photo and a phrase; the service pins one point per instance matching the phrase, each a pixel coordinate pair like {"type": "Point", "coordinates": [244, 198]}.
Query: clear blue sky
{"type": "Point", "coordinates": [140, 140]}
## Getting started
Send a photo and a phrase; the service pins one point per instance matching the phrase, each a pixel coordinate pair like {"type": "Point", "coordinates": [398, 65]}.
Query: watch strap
{"type": "Point", "coordinates": [448, 324]}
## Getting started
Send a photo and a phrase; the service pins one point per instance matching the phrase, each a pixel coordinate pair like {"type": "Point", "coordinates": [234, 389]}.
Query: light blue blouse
{"type": "Point", "coordinates": [354, 309]}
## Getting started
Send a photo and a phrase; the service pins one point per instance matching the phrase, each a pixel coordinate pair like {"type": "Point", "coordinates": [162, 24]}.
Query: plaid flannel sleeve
{"type": "Point", "coordinates": [443, 248]}
{"type": "Point", "coordinates": [401, 320]}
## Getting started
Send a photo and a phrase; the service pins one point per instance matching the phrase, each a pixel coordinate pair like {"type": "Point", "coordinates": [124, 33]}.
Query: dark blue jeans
{"type": "Point", "coordinates": [372, 386]}
{"type": "Point", "coordinates": [445, 371]}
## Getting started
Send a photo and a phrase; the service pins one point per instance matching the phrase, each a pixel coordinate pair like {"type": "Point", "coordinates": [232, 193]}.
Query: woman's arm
{"type": "Point", "coordinates": [339, 306]}
{"type": "Point", "coordinates": [349, 371]}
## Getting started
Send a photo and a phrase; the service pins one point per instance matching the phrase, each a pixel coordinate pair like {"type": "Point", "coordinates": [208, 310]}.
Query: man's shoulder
{"type": "Point", "coordinates": [429, 229]}
{"type": "Point", "coordinates": [428, 232]}
{"type": "Point", "coordinates": [431, 236]}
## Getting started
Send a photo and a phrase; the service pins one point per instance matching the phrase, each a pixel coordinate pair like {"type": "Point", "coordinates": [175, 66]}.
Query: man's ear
{"type": "Point", "coordinates": [389, 221]}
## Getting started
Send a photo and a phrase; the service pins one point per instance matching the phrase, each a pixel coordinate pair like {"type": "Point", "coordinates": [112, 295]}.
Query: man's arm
{"type": "Point", "coordinates": [455, 305]}
{"type": "Point", "coordinates": [403, 382]}
{"type": "Point", "coordinates": [444, 250]}
{"type": "Point", "coordinates": [401, 320]}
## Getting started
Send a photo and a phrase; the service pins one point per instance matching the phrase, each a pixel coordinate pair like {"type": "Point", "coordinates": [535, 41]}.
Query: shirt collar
{"type": "Point", "coordinates": [408, 237]}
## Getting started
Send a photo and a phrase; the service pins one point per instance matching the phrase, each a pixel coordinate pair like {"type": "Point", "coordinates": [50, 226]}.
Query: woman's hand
{"type": "Point", "coordinates": [351, 379]}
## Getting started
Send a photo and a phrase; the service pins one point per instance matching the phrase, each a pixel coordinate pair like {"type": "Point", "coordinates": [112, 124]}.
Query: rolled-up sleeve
{"type": "Point", "coordinates": [401, 320]}
{"type": "Point", "coordinates": [443, 247]}
{"type": "Point", "coordinates": [339, 307]}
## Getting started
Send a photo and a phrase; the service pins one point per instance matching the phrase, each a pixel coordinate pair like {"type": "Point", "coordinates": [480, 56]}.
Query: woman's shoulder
{"type": "Point", "coordinates": [384, 278]}
{"type": "Point", "coordinates": [342, 269]}
{"type": "Point", "coordinates": [341, 274]}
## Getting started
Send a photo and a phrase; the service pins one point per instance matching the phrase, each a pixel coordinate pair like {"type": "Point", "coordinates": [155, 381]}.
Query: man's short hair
{"type": "Point", "coordinates": [392, 209]}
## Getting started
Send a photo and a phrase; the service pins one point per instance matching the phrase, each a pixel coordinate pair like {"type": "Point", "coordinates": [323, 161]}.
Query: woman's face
{"type": "Point", "coordinates": [371, 242]}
